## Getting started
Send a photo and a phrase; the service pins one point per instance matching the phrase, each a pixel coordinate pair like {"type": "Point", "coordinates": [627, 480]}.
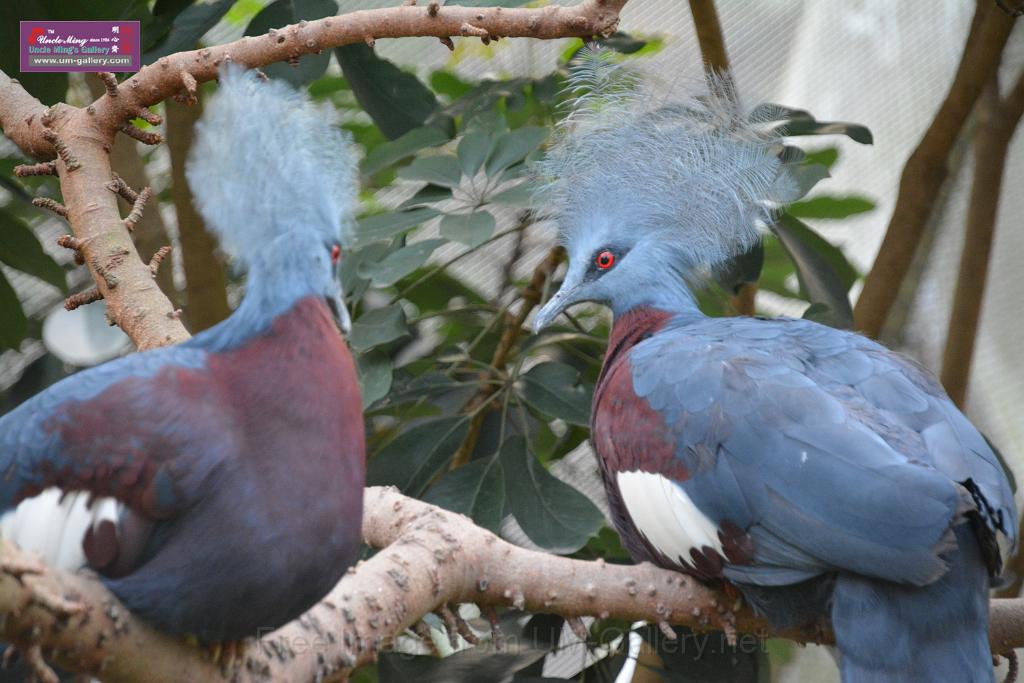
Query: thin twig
{"type": "Point", "coordinates": [138, 207]}
{"type": "Point", "coordinates": [42, 168]}
{"type": "Point", "coordinates": [158, 258]}
{"type": "Point", "coordinates": [109, 82]}
{"type": "Point", "coordinates": [530, 296]}
{"type": "Point", "coordinates": [82, 298]}
{"type": "Point", "coordinates": [51, 205]}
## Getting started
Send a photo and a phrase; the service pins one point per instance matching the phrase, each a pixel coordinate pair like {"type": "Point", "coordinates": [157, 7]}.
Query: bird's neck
{"type": "Point", "coordinates": [266, 299]}
{"type": "Point", "coordinates": [671, 295]}
{"type": "Point", "coordinates": [629, 329]}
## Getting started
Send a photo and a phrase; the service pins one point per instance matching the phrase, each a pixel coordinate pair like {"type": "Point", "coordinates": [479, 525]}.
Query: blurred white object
{"type": "Point", "coordinates": [636, 641]}
{"type": "Point", "coordinates": [83, 337]}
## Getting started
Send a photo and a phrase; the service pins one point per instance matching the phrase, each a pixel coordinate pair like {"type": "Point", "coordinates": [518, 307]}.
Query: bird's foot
{"type": "Point", "coordinates": [38, 669]}
{"type": "Point", "coordinates": [228, 655]}
{"type": "Point", "coordinates": [20, 566]}
{"type": "Point", "coordinates": [23, 568]}
{"type": "Point", "coordinates": [720, 617]}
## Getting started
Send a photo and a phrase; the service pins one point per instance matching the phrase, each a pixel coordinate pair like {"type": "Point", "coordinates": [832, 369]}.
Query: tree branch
{"type": "Point", "coordinates": [429, 557]}
{"type": "Point", "coordinates": [530, 296]}
{"type": "Point", "coordinates": [133, 300]}
{"type": "Point", "coordinates": [205, 279]}
{"type": "Point", "coordinates": [711, 40]}
{"type": "Point", "coordinates": [151, 233]}
{"type": "Point", "coordinates": [927, 169]}
{"type": "Point", "coordinates": [997, 121]}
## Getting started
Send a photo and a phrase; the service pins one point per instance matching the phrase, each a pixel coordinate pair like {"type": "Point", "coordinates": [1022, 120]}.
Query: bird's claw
{"type": "Point", "coordinates": [20, 566]}
{"type": "Point", "coordinates": [228, 655]}
{"type": "Point", "coordinates": [39, 670]}
{"type": "Point", "coordinates": [56, 604]}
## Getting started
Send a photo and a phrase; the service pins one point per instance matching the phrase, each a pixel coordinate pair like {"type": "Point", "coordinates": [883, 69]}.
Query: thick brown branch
{"type": "Point", "coordinates": [138, 306]}
{"type": "Point", "coordinates": [997, 121]}
{"type": "Point", "coordinates": [429, 558]}
{"type": "Point", "coordinates": [205, 281]}
{"type": "Point", "coordinates": [926, 169]}
{"type": "Point", "coordinates": [157, 82]}
{"type": "Point", "coordinates": [709, 35]}
{"type": "Point", "coordinates": [150, 232]}
{"type": "Point", "coordinates": [21, 118]}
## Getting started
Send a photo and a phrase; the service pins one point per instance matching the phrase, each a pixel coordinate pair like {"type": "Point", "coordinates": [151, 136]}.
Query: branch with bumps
{"type": "Point", "coordinates": [428, 558]}
{"type": "Point", "coordinates": [76, 141]}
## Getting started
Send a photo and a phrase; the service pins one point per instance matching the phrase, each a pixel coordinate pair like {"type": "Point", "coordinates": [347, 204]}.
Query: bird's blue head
{"type": "Point", "coordinates": [648, 194]}
{"type": "Point", "coordinates": [275, 180]}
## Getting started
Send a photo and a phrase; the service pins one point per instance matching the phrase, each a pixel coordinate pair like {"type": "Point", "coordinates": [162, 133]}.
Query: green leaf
{"type": "Point", "coordinates": [742, 269]}
{"type": "Point", "coordinates": [771, 112]}
{"type": "Point", "coordinates": [352, 284]}
{"type": "Point", "coordinates": [188, 27]}
{"type": "Point", "coordinates": [522, 194]}
{"type": "Point", "coordinates": [814, 258]}
{"type": "Point", "coordinates": [405, 146]}
{"type": "Point", "coordinates": [827, 157]}
{"type": "Point", "coordinates": [446, 83]}
{"type": "Point", "coordinates": [388, 225]}
{"type": "Point", "coordinates": [396, 100]}
{"type": "Point", "coordinates": [827, 206]}
{"type": "Point", "coordinates": [552, 389]}
{"type": "Point", "coordinates": [472, 151]}
{"type": "Point", "coordinates": [412, 459]}
{"type": "Point", "coordinates": [476, 489]}
{"type": "Point", "coordinates": [13, 323]}
{"type": "Point", "coordinates": [20, 249]}
{"type": "Point", "coordinates": [375, 375]}
{"type": "Point", "coordinates": [802, 126]}
{"type": "Point", "coordinates": [821, 313]}
{"type": "Point", "coordinates": [472, 229]}
{"type": "Point", "coordinates": [326, 86]}
{"type": "Point", "coordinates": [513, 146]}
{"type": "Point", "coordinates": [428, 194]}
{"type": "Point", "coordinates": [379, 326]}
{"type": "Point", "coordinates": [553, 514]}
{"type": "Point", "coordinates": [50, 88]}
{"type": "Point", "coordinates": [283, 13]}
{"type": "Point", "coordinates": [806, 177]}
{"type": "Point", "coordinates": [400, 263]}
{"type": "Point", "coordinates": [623, 43]}
{"type": "Point", "coordinates": [441, 169]}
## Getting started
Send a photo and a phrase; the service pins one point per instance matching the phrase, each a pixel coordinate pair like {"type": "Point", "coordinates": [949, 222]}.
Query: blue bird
{"type": "Point", "coordinates": [823, 475]}
{"type": "Point", "coordinates": [228, 471]}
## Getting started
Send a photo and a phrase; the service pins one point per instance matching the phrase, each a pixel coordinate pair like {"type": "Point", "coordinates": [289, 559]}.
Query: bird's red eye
{"type": "Point", "coordinates": [335, 254]}
{"type": "Point", "coordinates": [605, 260]}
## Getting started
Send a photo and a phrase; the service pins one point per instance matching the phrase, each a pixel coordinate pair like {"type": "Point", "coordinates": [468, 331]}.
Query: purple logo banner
{"type": "Point", "coordinates": [80, 46]}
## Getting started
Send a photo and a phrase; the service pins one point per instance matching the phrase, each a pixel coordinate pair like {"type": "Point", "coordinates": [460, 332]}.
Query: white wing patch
{"type": "Point", "coordinates": [666, 516]}
{"type": "Point", "coordinates": [54, 527]}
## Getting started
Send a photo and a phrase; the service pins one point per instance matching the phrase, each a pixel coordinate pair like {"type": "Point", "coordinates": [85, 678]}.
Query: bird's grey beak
{"type": "Point", "coordinates": [340, 312]}
{"type": "Point", "coordinates": [569, 294]}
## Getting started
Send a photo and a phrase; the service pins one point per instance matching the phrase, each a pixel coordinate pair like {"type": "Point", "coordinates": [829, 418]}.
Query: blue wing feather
{"type": "Point", "coordinates": [832, 451]}
{"type": "Point", "coordinates": [34, 444]}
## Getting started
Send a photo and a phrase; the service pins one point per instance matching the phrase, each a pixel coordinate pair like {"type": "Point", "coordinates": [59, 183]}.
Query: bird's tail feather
{"type": "Point", "coordinates": [266, 161]}
{"type": "Point", "coordinates": [892, 633]}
